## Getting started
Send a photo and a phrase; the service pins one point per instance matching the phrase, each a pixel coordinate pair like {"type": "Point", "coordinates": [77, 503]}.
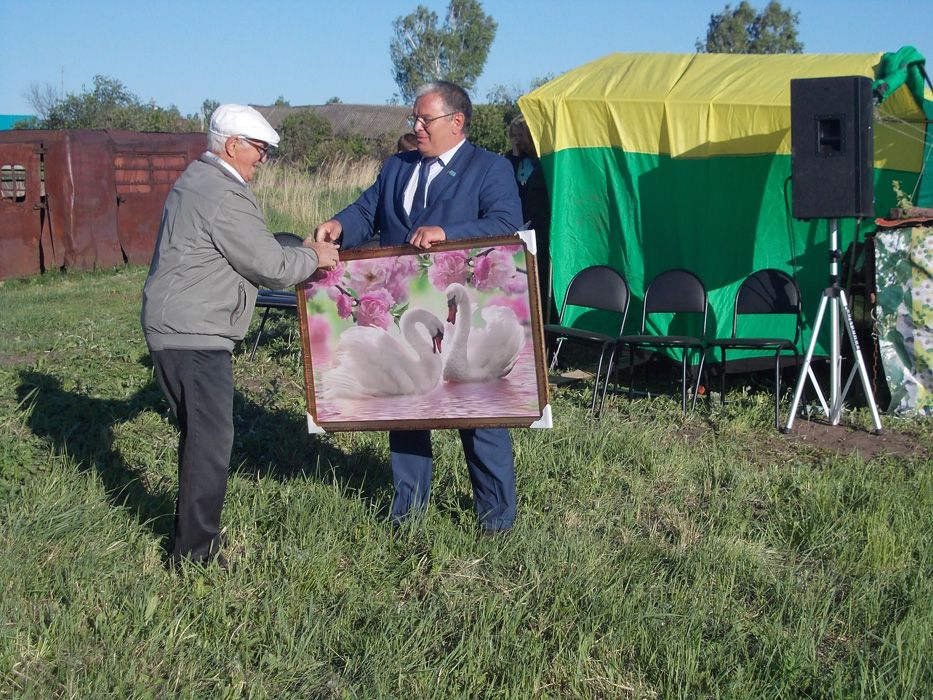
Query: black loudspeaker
{"type": "Point", "coordinates": [832, 147]}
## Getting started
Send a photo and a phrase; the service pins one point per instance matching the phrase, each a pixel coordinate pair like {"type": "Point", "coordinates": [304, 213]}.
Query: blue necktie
{"type": "Point", "coordinates": [418, 203]}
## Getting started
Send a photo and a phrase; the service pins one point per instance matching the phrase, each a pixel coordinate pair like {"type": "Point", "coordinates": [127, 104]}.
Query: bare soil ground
{"type": "Point", "coordinates": [814, 433]}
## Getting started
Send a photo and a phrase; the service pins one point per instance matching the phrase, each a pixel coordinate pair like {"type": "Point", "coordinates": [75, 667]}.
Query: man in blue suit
{"type": "Point", "coordinates": [446, 190]}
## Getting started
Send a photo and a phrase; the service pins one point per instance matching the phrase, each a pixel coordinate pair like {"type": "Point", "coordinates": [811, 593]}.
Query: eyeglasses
{"type": "Point", "coordinates": [263, 148]}
{"type": "Point", "coordinates": [424, 121]}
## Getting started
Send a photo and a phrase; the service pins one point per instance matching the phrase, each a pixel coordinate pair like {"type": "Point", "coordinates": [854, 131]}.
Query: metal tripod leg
{"type": "Point", "coordinates": [833, 411]}
{"type": "Point", "coordinates": [805, 371]}
{"type": "Point", "coordinates": [859, 366]}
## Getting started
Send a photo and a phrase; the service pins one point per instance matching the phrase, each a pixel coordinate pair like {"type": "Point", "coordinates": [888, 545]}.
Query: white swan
{"type": "Point", "coordinates": [371, 362]}
{"type": "Point", "coordinates": [488, 353]}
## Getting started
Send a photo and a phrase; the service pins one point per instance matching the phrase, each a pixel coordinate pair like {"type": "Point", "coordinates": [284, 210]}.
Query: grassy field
{"type": "Point", "coordinates": [297, 202]}
{"type": "Point", "coordinates": [654, 557]}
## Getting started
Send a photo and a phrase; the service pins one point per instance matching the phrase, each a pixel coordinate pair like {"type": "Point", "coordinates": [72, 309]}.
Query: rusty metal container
{"type": "Point", "coordinates": [85, 199]}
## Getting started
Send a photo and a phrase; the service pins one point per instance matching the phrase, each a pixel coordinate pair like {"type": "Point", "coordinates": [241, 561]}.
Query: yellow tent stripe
{"type": "Point", "coordinates": [703, 105]}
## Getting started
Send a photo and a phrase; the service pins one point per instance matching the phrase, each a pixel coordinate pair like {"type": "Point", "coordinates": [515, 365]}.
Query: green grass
{"type": "Point", "coordinates": [653, 556]}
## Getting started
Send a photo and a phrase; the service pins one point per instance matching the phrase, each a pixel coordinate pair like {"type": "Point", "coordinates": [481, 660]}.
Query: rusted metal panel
{"type": "Point", "coordinates": [20, 210]}
{"type": "Point", "coordinates": [93, 241]}
{"type": "Point", "coordinates": [103, 197]}
{"type": "Point", "coordinates": [145, 168]}
{"type": "Point", "coordinates": [58, 198]}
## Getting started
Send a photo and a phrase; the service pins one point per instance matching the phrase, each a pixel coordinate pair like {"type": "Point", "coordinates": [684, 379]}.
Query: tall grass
{"type": "Point", "coordinates": [654, 556]}
{"type": "Point", "coordinates": [297, 202]}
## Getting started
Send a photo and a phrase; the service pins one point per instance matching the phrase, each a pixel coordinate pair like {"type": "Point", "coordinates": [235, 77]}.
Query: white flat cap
{"type": "Point", "coordinates": [243, 120]}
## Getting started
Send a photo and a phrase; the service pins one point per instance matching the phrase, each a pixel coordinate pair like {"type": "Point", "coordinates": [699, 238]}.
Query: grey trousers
{"type": "Point", "coordinates": [199, 387]}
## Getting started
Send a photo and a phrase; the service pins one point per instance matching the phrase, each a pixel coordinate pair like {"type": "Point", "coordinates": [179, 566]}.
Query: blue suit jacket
{"type": "Point", "coordinates": [475, 195]}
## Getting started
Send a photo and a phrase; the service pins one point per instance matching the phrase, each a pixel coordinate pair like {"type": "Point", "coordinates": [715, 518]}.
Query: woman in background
{"type": "Point", "coordinates": [536, 207]}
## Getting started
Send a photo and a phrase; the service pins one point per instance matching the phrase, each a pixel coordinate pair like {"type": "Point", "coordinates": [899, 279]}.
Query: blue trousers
{"type": "Point", "coordinates": [488, 453]}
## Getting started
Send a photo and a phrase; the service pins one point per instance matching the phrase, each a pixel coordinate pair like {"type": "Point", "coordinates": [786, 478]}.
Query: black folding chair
{"type": "Point", "coordinates": [764, 292]}
{"type": "Point", "coordinates": [269, 299]}
{"type": "Point", "coordinates": [672, 292]}
{"type": "Point", "coordinates": [600, 288]}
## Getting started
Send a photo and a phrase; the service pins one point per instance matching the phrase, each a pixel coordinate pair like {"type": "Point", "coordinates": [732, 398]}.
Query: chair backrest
{"type": "Point", "coordinates": [767, 291]}
{"type": "Point", "coordinates": [598, 287]}
{"type": "Point", "coordinates": [675, 291]}
{"type": "Point", "coordinates": [288, 240]}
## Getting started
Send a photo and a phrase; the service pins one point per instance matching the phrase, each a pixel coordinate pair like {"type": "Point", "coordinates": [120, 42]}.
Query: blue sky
{"type": "Point", "coordinates": [308, 51]}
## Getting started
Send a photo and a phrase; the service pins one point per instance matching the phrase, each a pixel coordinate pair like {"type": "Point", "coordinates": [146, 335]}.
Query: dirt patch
{"type": "Point", "coordinates": [17, 359]}
{"type": "Point", "coordinates": [846, 440]}
{"type": "Point", "coordinates": [815, 434]}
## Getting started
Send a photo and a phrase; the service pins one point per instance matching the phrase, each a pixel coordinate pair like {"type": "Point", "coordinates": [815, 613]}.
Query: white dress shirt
{"type": "Point", "coordinates": [437, 167]}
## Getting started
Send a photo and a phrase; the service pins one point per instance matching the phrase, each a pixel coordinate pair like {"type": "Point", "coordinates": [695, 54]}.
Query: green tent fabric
{"type": "Point", "coordinates": [906, 66]}
{"type": "Point", "coordinates": [924, 196]}
{"type": "Point", "coordinates": [657, 161]}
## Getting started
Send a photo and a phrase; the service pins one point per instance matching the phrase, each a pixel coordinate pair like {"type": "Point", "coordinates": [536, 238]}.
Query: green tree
{"type": "Point", "coordinates": [108, 104]}
{"type": "Point", "coordinates": [304, 135]}
{"type": "Point", "coordinates": [509, 94]}
{"type": "Point", "coordinates": [743, 30]}
{"type": "Point", "coordinates": [208, 107]}
{"type": "Point", "coordinates": [457, 51]}
{"type": "Point", "coordinates": [490, 124]}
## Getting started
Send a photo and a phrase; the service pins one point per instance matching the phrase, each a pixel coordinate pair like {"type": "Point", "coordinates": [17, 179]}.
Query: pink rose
{"type": "Point", "coordinates": [318, 329]}
{"type": "Point", "coordinates": [448, 268]}
{"type": "Point", "coordinates": [518, 284]}
{"type": "Point", "coordinates": [367, 275]}
{"type": "Point", "coordinates": [343, 301]}
{"type": "Point", "coordinates": [399, 282]}
{"type": "Point", "coordinates": [373, 309]}
{"type": "Point", "coordinates": [493, 270]}
{"type": "Point", "coordinates": [518, 304]}
{"type": "Point", "coordinates": [328, 278]}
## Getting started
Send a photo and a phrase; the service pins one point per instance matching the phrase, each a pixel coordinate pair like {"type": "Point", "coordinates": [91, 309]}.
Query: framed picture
{"type": "Point", "coordinates": [403, 339]}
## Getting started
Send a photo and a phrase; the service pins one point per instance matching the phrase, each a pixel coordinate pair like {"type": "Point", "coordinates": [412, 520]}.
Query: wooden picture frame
{"type": "Point", "coordinates": [371, 330]}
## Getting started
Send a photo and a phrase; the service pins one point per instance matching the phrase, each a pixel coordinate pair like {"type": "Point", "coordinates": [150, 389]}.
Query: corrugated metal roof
{"type": "Point", "coordinates": [366, 120]}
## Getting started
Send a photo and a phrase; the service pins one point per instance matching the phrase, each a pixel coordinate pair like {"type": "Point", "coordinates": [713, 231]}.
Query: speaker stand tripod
{"type": "Point", "coordinates": [834, 296]}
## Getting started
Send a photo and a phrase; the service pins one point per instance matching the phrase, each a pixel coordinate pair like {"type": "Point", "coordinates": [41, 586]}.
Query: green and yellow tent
{"type": "Point", "coordinates": [656, 161]}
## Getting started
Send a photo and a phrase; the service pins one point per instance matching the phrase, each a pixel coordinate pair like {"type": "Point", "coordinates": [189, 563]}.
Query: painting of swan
{"type": "Point", "coordinates": [372, 362]}
{"type": "Point", "coordinates": [480, 354]}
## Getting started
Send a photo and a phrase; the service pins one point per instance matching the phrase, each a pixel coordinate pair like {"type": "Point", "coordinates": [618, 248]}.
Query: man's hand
{"type": "Point", "coordinates": [424, 236]}
{"type": "Point", "coordinates": [330, 231]}
{"type": "Point", "coordinates": [327, 253]}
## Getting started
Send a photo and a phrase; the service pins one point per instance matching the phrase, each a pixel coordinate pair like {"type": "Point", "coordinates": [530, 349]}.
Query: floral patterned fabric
{"type": "Point", "coordinates": [904, 274]}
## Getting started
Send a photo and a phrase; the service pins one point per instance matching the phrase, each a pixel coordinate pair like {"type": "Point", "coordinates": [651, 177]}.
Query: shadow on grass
{"type": "Point", "coordinates": [268, 443]}
{"type": "Point", "coordinates": [274, 443]}
{"type": "Point", "coordinates": [81, 427]}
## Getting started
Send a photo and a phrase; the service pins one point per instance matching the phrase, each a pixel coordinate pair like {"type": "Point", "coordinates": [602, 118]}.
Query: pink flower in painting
{"type": "Point", "coordinates": [447, 268]}
{"type": "Point", "coordinates": [343, 301]}
{"type": "Point", "coordinates": [399, 281]}
{"type": "Point", "coordinates": [328, 278]}
{"type": "Point", "coordinates": [391, 274]}
{"type": "Point", "coordinates": [493, 270]}
{"type": "Point", "coordinates": [518, 304]}
{"type": "Point", "coordinates": [318, 329]}
{"type": "Point", "coordinates": [367, 275]}
{"type": "Point", "coordinates": [518, 284]}
{"type": "Point", "coordinates": [373, 309]}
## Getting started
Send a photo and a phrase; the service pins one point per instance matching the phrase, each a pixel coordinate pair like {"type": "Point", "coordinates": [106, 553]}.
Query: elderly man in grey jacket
{"type": "Point", "coordinates": [213, 251]}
